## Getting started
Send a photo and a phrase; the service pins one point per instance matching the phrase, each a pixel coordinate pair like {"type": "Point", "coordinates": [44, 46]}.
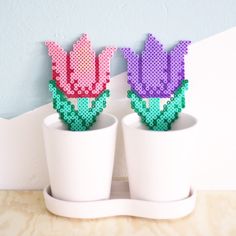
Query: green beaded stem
{"type": "Point", "coordinates": [155, 118]}
{"type": "Point", "coordinates": [83, 118]}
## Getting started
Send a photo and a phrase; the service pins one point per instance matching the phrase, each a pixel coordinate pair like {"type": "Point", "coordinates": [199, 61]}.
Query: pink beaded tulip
{"type": "Point", "coordinates": [80, 73]}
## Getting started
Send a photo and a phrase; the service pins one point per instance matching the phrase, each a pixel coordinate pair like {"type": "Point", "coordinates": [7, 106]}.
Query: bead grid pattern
{"type": "Point", "coordinates": [81, 119]}
{"type": "Point", "coordinates": [79, 74]}
{"type": "Point", "coordinates": [157, 74]}
{"type": "Point", "coordinates": [152, 116]}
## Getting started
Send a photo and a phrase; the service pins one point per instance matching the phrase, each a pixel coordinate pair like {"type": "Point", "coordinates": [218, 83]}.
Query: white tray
{"type": "Point", "coordinates": [120, 204]}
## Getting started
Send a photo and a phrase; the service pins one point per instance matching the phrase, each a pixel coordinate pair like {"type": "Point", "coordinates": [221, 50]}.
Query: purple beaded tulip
{"type": "Point", "coordinates": [156, 73]}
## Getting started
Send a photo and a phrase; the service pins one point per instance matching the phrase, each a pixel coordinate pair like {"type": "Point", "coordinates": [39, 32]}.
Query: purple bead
{"type": "Point", "coordinates": [156, 73]}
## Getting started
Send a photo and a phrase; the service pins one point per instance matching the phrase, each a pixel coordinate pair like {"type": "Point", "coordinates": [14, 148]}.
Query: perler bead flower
{"type": "Point", "coordinates": [80, 73]}
{"type": "Point", "coordinates": [156, 73]}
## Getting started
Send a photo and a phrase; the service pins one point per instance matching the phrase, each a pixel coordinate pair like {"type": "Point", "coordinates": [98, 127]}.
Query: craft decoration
{"type": "Point", "coordinates": [154, 75]}
{"type": "Point", "coordinates": [79, 74]}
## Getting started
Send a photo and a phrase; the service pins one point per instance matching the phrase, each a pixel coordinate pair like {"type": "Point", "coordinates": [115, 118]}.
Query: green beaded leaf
{"type": "Point", "coordinates": [138, 104]}
{"type": "Point", "coordinates": [152, 116]}
{"type": "Point", "coordinates": [83, 118]}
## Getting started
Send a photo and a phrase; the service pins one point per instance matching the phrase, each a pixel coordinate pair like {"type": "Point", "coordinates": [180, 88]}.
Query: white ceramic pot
{"type": "Point", "coordinates": [158, 162]}
{"type": "Point", "coordinates": [80, 164]}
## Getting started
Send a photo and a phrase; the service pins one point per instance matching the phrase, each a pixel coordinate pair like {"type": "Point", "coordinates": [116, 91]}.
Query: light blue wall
{"type": "Point", "coordinates": [25, 25]}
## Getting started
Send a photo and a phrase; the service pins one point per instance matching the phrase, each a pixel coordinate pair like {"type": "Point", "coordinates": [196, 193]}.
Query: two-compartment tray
{"type": "Point", "coordinates": [119, 204]}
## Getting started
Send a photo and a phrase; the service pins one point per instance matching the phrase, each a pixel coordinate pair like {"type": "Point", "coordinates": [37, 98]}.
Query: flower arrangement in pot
{"type": "Point", "coordinates": [158, 139]}
{"type": "Point", "coordinates": [80, 142]}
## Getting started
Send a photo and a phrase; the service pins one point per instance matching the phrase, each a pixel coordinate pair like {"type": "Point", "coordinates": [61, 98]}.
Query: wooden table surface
{"type": "Point", "coordinates": [24, 213]}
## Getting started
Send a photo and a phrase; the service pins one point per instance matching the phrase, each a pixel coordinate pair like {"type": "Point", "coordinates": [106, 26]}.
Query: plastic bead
{"type": "Point", "coordinates": [79, 74]}
{"type": "Point", "coordinates": [155, 118]}
{"type": "Point", "coordinates": [83, 118]}
{"type": "Point", "coordinates": [156, 73]}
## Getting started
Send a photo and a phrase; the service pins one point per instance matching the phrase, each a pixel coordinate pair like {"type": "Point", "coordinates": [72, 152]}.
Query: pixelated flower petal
{"type": "Point", "coordinates": [154, 64]}
{"type": "Point", "coordinates": [59, 65]}
{"type": "Point", "coordinates": [176, 66]}
{"type": "Point", "coordinates": [79, 73]}
{"type": "Point", "coordinates": [103, 69]}
{"type": "Point", "coordinates": [82, 62]}
{"type": "Point", "coordinates": [133, 69]}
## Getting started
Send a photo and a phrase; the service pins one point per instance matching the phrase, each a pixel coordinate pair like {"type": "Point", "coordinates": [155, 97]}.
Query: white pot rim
{"type": "Point", "coordinates": [130, 119]}
{"type": "Point", "coordinates": [53, 118]}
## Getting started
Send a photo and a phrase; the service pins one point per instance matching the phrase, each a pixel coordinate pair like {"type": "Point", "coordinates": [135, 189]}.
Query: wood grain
{"type": "Point", "coordinates": [24, 213]}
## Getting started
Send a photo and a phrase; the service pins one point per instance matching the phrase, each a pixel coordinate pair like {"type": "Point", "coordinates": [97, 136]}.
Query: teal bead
{"type": "Point", "coordinates": [155, 118]}
{"type": "Point", "coordinates": [83, 118]}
